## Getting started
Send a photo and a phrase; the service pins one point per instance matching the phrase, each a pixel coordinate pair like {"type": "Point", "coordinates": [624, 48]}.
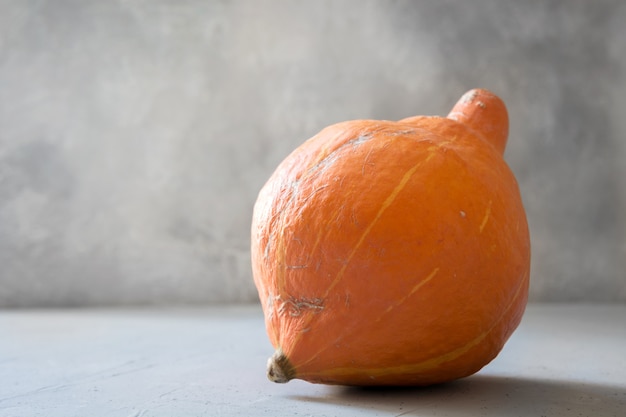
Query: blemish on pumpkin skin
{"type": "Point", "coordinates": [354, 219]}
{"type": "Point", "coordinates": [312, 193]}
{"type": "Point", "coordinates": [292, 306]}
{"type": "Point", "coordinates": [403, 132]}
{"type": "Point", "coordinates": [297, 266]}
{"type": "Point", "coordinates": [333, 155]}
{"type": "Point", "coordinates": [366, 162]}
{"type": "Point", "coordinates": [323, 164]}
{"type": "Point", "coordinates": [486, 217]}
{"type": "Point", "coordinates": [296, 306]}
{"type": "Point", "coordinates": [359, 140]}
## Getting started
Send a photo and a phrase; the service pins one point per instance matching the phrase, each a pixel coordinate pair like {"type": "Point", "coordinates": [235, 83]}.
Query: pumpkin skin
{"type": "Point", "coordinates": [393, 253]}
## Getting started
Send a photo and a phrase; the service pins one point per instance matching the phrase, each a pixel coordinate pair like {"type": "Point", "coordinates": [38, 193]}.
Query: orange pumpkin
{"type": "Point", "coordinates": [393, 253]}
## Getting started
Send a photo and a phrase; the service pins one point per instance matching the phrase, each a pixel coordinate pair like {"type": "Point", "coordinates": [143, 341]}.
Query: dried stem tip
{"type": "Point", "coordinates": [279, 369]}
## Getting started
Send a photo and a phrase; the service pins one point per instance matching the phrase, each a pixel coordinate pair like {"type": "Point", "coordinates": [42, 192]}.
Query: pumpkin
{"type": "Point", "coordinates": [393, 253]}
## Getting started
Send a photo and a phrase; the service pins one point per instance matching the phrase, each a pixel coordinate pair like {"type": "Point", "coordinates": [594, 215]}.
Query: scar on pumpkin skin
{"type": "Point", "coordinates": [353, 217]}
{"type": "Point", "coordinates": [296, 306]}
{"type": "Point", "coordinates": [297, 266]}
{"type": "Point", "coordinates": [486, 218]}
{"type": "Point", "coordinates": [366, 162]}
{"type": "Point", "coordinates": [333, 155]}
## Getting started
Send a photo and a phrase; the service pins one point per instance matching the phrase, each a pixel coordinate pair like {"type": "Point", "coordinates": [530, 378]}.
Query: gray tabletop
{"type": "Point", "coordinates": [564, 360]}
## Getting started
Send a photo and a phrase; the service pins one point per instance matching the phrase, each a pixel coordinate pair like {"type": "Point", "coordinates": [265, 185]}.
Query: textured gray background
{"type": "Point", "coordinates": [134, 135]}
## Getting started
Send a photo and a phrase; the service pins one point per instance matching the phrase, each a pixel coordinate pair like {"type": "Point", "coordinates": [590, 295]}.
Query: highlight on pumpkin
{"type": "Point", "coordinates": [402, 259]}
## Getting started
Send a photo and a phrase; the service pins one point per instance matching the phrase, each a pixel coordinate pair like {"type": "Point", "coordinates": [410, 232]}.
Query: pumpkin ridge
{"type": "Point", "coordinates": [427, 364]}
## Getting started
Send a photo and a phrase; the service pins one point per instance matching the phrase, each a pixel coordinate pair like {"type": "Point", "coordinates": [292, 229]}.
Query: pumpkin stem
{"type": "Point", "coordinates": [484, 112]}
{"type": "Point", "coordinates": [279, 369]}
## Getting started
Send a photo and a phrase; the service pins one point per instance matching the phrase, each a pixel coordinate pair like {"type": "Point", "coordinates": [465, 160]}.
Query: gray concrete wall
{"type": "Point", "coordinates": [134, 135]}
